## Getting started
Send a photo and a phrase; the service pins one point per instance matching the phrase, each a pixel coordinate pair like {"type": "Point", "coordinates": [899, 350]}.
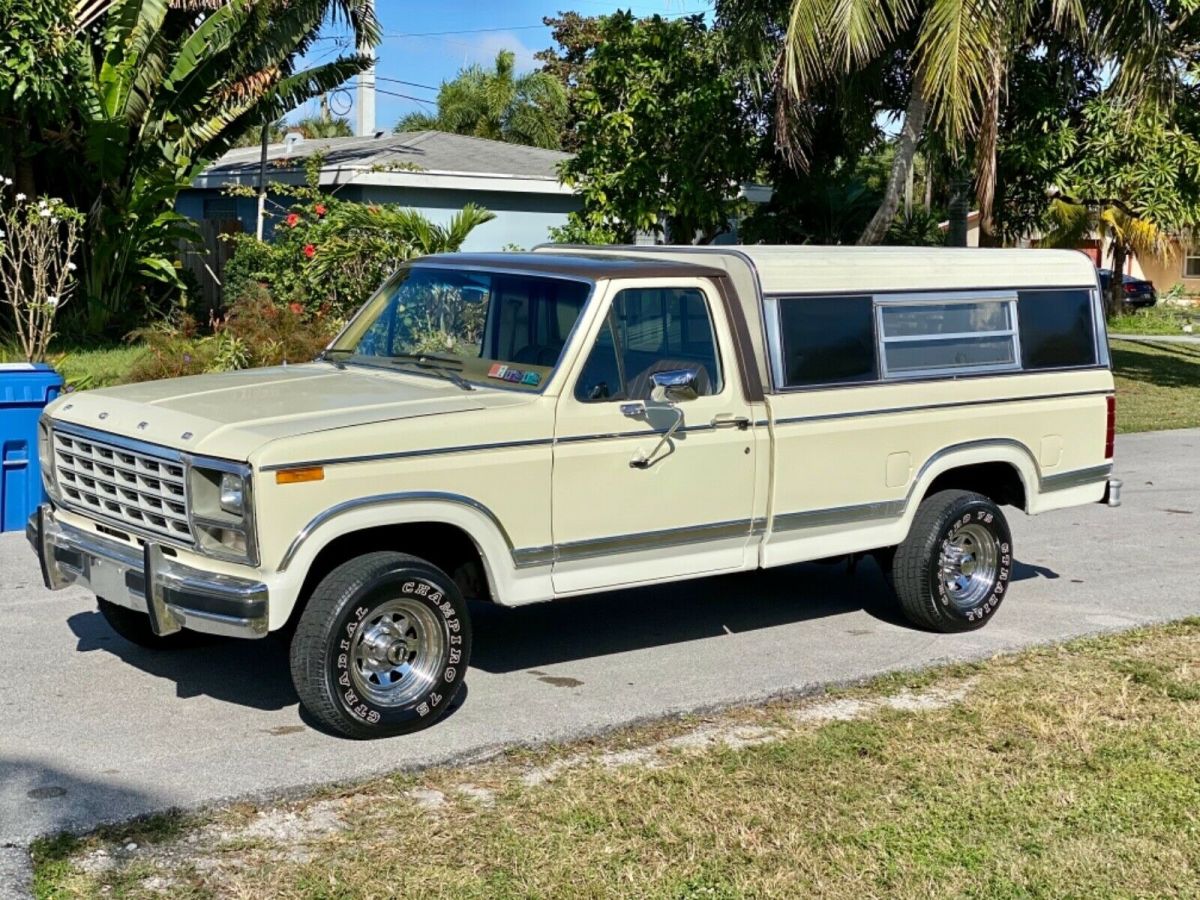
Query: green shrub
{"type": "Point", "coordinates": [261, 332]}
{"type": "Point", "coordinates": [256, 332]}
{"type": "Point", "coordinates": [330, 255]}
{"type": "Point", "coordinates": [173, 349]}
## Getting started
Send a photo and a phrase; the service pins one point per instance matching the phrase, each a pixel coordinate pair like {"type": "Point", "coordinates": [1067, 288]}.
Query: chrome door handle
{"type": "Point", "coordinates": [729, 420]}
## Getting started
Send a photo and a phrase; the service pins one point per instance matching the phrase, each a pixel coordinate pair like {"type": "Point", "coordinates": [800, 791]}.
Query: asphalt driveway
{"type": "Point", "coordinates": [96, 730]}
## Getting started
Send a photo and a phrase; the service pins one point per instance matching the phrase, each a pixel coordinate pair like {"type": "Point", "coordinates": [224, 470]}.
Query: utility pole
{"type": "Point", "coordinates": [262, 178]}
{"type": "Point", "coordinates": [365, 101]}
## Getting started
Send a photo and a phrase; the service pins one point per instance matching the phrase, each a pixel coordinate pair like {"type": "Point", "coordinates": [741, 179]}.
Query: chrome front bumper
{"type": "Point", "coordinates": [175, 596]}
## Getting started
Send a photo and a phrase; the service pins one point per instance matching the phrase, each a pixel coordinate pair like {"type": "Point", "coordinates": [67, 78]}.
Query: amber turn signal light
{"type": "Point", "coordinates": [295, 476]}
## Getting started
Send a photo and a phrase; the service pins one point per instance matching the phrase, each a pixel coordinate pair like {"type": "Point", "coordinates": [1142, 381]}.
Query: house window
{"type": "Point", "coordinates": [921, 336]}
{"type": "Point", "coordinates": [827, 340]}
{"type": "Point", "coordinates": [1191, 263]}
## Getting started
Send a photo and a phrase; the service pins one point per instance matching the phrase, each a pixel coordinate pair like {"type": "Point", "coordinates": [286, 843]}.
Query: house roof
{"type": "Point", "coordinates": [414, 159]}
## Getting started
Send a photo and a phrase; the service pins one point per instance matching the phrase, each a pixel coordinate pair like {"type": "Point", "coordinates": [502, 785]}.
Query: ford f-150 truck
{"type": "Point", "coordinates": [513, 428]}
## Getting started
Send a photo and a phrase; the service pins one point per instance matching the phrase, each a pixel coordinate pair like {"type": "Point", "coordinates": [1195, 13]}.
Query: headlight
{"type": "Point", "coordinates": [233, 493]}
{"type": "Point", "coordinates": [221, 506]}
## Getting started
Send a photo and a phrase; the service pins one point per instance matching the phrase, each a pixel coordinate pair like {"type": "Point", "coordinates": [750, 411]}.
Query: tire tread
{"type": "Point", "coordinates": [910, 567]}
{"type": "Point", "coordinates": [306, 657]}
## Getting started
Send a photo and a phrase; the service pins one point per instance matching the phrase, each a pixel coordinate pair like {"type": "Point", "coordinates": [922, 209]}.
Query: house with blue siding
{"type": "Point", "coordinates": [433, 172]}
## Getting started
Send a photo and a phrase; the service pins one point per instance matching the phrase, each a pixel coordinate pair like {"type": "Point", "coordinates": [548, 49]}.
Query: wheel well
{"type": "Point", "coordinates": [446, 546]}
{"type": "Point", "coordinates": [999, 481]}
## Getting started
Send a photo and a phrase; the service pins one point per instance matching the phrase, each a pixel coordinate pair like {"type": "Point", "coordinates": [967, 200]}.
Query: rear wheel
{"type": "Point", "coordinates": [952, 571]}
{"type": "Point", "coordinates": [382, 646]}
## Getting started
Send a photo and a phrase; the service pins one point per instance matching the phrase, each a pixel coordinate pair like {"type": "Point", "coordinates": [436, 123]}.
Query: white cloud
{"type": "Point", "coordinates": [482, 49]}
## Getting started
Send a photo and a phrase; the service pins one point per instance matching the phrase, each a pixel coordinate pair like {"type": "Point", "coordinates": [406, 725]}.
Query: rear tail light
{"type": "Point", "coordinates": [1110, 431]}
{"type": "Point", "coordinates": [1131, 288]}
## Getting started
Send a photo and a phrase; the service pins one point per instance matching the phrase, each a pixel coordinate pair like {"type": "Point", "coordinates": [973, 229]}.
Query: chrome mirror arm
{"type": "Point", "coordinates": [645, 460]}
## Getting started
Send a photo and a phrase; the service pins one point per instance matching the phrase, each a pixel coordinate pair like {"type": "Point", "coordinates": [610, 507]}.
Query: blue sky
{"type": "Point", "coordinates": [426, 43]}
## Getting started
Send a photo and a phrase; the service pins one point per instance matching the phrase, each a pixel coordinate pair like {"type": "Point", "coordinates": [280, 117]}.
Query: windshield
{"type": "Point", "coordinates": [486, 327]}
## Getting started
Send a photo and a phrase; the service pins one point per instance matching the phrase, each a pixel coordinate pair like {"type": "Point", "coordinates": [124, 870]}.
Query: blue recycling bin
{"type": "Point", "coordinates": [25, 389]}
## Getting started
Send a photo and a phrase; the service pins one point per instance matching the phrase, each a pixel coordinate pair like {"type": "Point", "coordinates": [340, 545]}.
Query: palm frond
{"type": "Point", "coordinates": [1068, 224]}
{"type": "Point", "coordinates": [210, 138]}
{"type": "Point", "coordinates": [955, 49]}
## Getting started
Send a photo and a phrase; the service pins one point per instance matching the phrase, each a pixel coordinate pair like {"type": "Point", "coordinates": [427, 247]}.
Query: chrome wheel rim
{"type": "Point", "coordinates": [969, 565]}
{"type": "Point", "coordinates": [397, 652]}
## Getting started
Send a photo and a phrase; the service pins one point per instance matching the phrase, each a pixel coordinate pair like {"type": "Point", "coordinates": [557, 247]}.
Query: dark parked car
{"type": "Point", "coordinates": [1138, 291]}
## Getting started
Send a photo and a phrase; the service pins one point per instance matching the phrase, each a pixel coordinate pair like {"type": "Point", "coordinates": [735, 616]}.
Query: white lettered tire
{"type": "Point", "coordinates": [952, 571]}
{"type": "Point", "coordinates": [382, 646]}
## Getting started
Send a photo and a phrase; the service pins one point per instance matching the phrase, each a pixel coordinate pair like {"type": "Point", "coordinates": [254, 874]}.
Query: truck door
{"type": "Point", "coordinates": [631, 504]}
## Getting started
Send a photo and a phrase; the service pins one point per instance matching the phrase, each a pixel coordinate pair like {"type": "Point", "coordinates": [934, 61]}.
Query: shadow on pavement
{"type": "Point", "coordinates": [249, 673]}
{"type": "Point", "coordinates": [255, 673]}
{"type": "Point", "coordinates": [42, 800]}
{"type": "Point", "coordinates": [508, 640]}
{"type": "Point", "coordinates": [1023, 571]}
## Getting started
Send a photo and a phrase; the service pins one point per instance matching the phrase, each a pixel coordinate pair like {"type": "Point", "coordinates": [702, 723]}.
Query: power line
{"type": "Point", "coordinates": [428, 87]}
{"type": "Point", "coordinates": [380, 90]}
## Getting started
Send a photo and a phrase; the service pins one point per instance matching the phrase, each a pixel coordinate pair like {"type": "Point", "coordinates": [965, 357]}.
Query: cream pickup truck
{"type": "Point", "coordinates": [513, 428]}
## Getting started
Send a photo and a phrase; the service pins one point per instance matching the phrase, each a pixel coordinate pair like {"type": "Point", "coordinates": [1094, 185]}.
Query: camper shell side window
{"type": "Point", "coordinates": [821, 341]}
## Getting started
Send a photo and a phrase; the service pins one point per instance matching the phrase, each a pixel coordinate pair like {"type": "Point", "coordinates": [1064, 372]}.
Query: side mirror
{"type": "Point", "coordinates": [675, 385]}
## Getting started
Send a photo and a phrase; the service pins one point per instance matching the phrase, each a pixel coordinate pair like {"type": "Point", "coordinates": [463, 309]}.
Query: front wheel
{"type": "Point", "coordinates": [952, 571]}
{"type": "Point", "coordinates": [382, 646]}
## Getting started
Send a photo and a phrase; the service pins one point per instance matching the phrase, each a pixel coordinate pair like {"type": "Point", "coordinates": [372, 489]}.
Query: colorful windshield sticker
{"type": "Point", "coordinates": [514, 375]}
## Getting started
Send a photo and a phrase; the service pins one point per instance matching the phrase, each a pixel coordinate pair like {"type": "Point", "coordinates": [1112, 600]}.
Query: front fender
{"type": "Point", "coordinates": [482, 525]}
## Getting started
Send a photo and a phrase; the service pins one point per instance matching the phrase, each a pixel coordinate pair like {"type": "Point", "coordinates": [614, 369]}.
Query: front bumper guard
{"type": "Point", "coordinates": [175, 596]}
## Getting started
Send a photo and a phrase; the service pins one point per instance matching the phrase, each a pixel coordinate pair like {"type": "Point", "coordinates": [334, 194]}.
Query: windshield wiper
{"type": "Point", "coordinates": [432, 362]}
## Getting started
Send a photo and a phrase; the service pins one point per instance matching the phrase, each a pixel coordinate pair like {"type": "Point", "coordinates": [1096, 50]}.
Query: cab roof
{"type": "Point", "coordinates": [591, 267]}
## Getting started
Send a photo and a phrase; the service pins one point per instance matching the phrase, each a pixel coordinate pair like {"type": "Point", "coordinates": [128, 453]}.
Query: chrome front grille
{"type": "Point", "coordinates": [121, 485]}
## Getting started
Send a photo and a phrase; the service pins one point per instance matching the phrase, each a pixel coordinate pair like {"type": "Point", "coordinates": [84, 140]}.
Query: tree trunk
{"type": "Point", "coordinates": [1115, 298]}
{"type": "Point", "coordinates": [906, 146]}
{"type": "Point", "coordinates": [958, 210]}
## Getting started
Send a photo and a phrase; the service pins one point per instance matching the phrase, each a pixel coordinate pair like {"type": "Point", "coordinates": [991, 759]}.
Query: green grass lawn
{"type": "Point", "coordinates": [88, 368]}
{"type": "Point", "coordinates": [1158, 385]}
{"type": "Point", "coordinates": [1063, 771]}
{"type": "Point", "coordinates": [1155, 320]}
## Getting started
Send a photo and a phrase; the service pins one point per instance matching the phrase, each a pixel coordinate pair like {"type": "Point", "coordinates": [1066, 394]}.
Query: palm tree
{"type": "Point", "coordinates": [498, 104]}
{"type": "Point", "coordinates": [1126, 233]}
{"type": "Point", "coordinates": [162, 91]}
{"type": "Point", "coordinates": [961, 50]}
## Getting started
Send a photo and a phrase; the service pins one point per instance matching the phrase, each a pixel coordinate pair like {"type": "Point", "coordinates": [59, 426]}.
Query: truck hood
{"type": "Point", "coordinates": [232, 414]}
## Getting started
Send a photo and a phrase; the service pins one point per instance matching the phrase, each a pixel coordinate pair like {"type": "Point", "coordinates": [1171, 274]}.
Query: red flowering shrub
{"type": "Point", "coordinates": [329, 255]}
